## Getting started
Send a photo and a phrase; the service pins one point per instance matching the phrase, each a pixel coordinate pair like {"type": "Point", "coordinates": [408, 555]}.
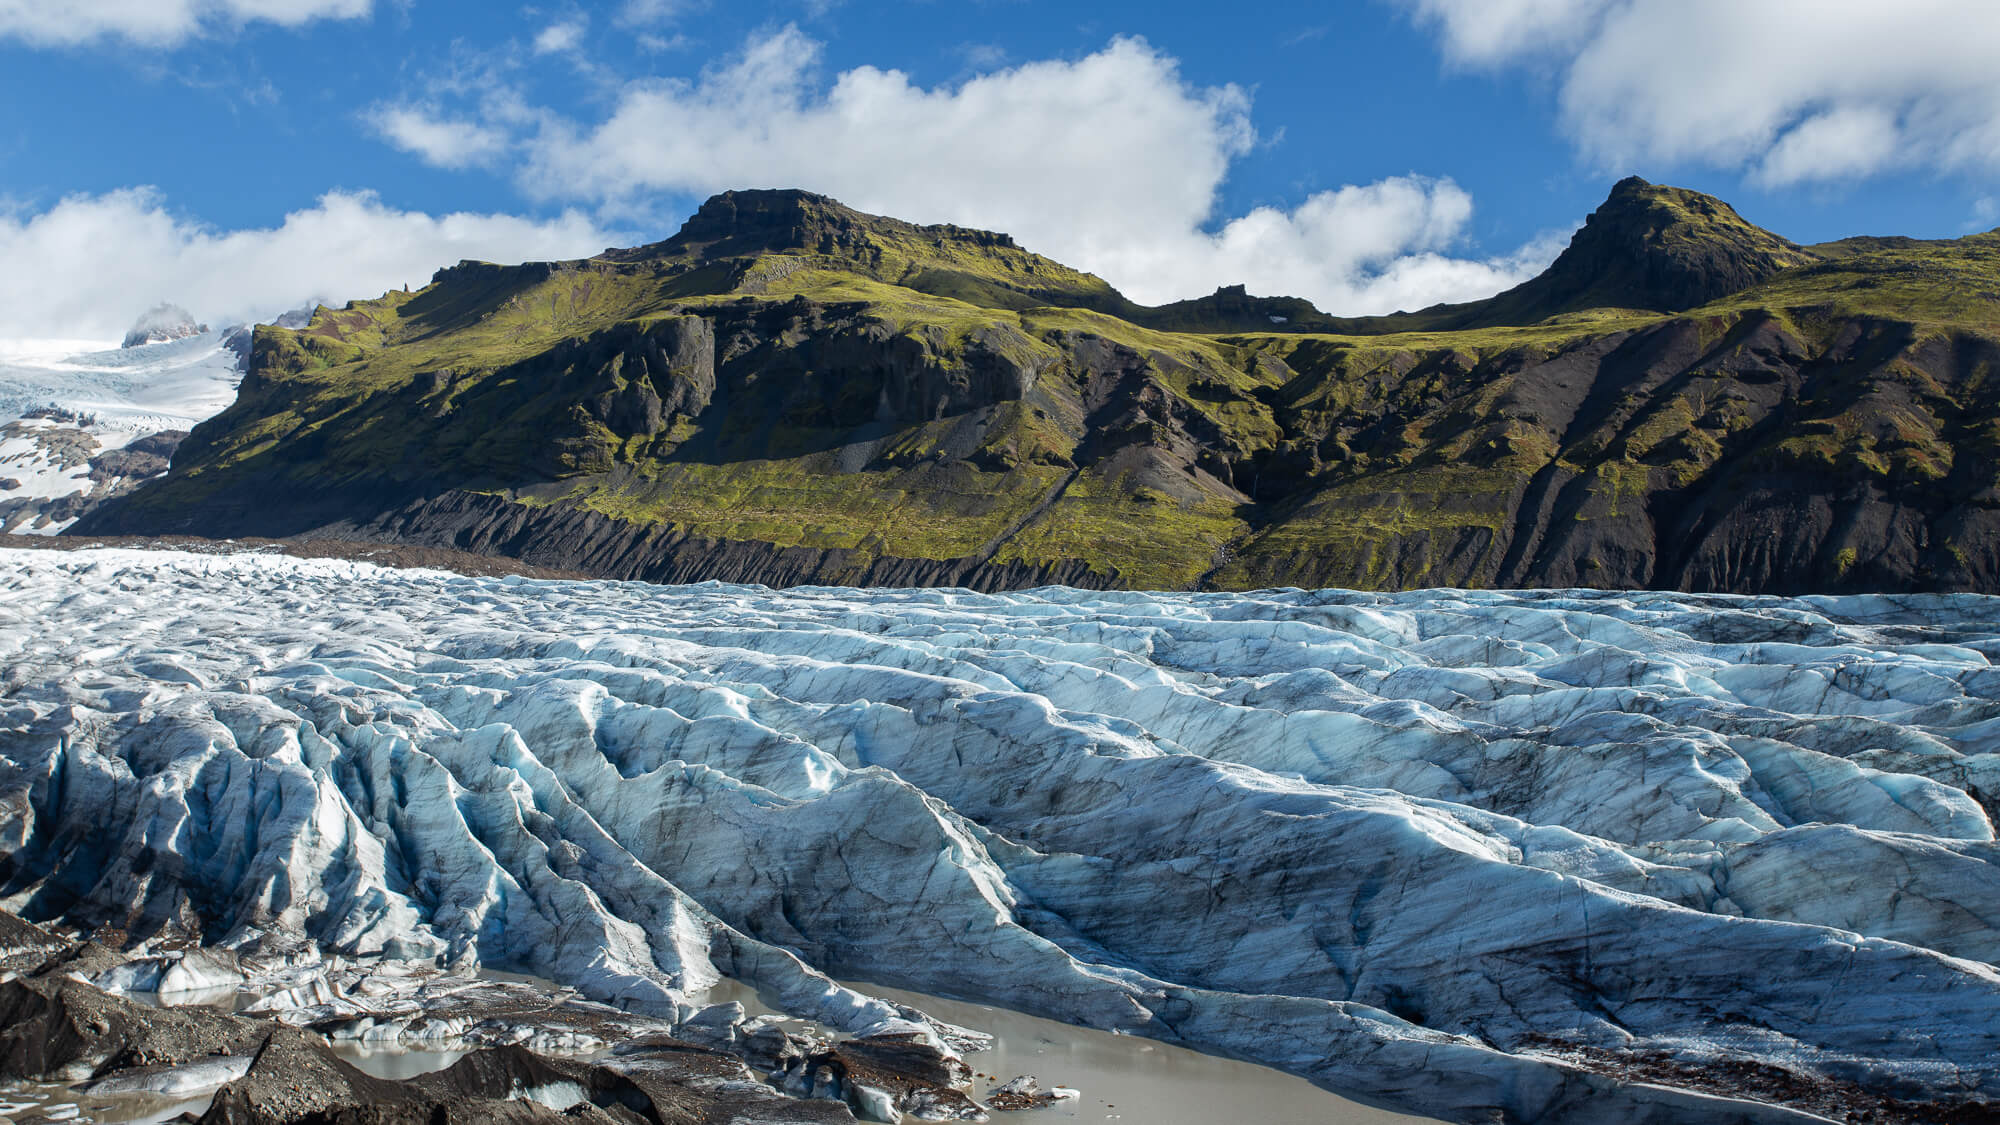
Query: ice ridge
{"type": "Point", "coordinates": [1426, 848]}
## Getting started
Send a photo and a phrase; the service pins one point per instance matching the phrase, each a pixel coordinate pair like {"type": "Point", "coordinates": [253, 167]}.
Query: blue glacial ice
{"type": "Point", "coordinates": [1426, 848]}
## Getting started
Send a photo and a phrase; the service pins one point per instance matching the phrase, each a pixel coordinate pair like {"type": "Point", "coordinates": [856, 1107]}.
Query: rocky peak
{"type": "Point", "coordinates": [1661, 248]}
{"type": "Point", "coordinates": [751, 221]}
{"type": "Point", "coordinates": [789, 220]}
{"type": "Point", "coordinates": [161, 323]}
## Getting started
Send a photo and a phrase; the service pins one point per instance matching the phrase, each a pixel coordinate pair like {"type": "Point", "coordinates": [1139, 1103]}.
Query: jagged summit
{"type": "Point", "coordinates": [753, 222]}
{"type": "Point", "coordinates": [1647, 247]}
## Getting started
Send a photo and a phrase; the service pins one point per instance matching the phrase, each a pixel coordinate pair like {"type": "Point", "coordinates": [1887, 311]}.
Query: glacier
{"type": "Point", "coordinates": [80, 422]}
{"type": "Point", "coordinates": [1464, 853]}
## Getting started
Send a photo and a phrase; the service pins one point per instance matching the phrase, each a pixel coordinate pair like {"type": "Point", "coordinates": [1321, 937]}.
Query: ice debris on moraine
{"type": "Point", "coordinates": [1410, 845]}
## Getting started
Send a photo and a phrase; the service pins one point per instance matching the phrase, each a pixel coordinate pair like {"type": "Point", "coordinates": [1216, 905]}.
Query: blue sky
{"type": "Point", "coordinates": [243, 155]}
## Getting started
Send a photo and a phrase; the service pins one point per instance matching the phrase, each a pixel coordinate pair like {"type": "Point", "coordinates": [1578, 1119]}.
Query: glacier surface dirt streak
{"type": "Point", "coordinates": [1400, 843]}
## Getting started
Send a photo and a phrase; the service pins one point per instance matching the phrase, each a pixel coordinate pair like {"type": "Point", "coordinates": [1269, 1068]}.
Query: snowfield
{"type": "Point", "coordinates": [1424, 848]}
{"type": "Point", "coordinates": [143, 389]}
{"type": "Point", "coordinates": [93, 401]}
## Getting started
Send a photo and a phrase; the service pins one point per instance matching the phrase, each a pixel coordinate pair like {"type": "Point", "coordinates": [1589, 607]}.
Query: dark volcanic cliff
{"type": "Point", "coordinates": [791, 391]}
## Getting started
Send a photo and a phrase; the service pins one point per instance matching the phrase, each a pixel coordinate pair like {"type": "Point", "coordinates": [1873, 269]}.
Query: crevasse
{"type": "Point", "coordinates": [1359, 836]}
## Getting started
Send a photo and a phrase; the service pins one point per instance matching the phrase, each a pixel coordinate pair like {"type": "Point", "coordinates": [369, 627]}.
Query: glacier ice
{"type": "Point", "coordinates": [1414, 846]}
{"type": "Point", "coordinates": [80, 423]}
{"type": "Point", "coordinates": [163, 386]}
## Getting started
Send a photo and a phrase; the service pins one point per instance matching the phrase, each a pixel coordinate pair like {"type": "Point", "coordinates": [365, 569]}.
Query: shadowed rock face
{"type": "Point", "coordinates": [55, 1027]}
{"type": "Point", "coordinates": [296, 1081]}
{"type": "Point", "coordinates": [269, 1074]}
{"type": "Point", "coordinates": [792, 391]}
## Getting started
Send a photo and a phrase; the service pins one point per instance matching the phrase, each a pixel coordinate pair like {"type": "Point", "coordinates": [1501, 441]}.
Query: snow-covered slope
{"type": "Point", "coordinates": [67, 404]}
{"type": "Point", "coordinates": [1433, 848]}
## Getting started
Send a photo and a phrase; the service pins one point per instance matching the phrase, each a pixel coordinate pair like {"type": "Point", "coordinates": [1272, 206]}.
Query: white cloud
{"type": "Point", "coordinates": [86, 267]}
{"type": "Point", "coordinates": [1490, 31]}
{"type": "Point", "coordinates": [156, 22]}
{"type": "Point", "coordinates": [444, 141]}
{"type": "Point", "coordinates": [1368, 249]}
{"type": "Point", "coordinates": [560, 37]}
{"type": "Point", "coordinates": [1849, 141]}
{"type": "Point", "coordinates": [1111, 162]}
{"type": "Point", "coordinates": [1792, 90]}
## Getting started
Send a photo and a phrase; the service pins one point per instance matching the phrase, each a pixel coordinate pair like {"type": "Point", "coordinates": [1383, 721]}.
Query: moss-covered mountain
{"type": "Point", "coordinates": [791, 391]}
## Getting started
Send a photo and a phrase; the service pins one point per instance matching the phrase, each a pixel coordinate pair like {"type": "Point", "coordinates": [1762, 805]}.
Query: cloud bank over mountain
{"type": "Point", "coordinates": [1113, 162]}
{"type": "Point", "coordinates": [84, 267]}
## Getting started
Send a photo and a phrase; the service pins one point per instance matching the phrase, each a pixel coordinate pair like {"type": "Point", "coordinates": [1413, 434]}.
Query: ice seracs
{"type": "Point", "coordinates": [1449, 850]}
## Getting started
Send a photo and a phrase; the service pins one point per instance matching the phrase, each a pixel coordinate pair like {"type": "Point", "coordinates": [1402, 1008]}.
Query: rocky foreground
{"type": "Point", "coordinates": [273, 1064]}
{"type": "Point", "coordinates": [1486, 856]}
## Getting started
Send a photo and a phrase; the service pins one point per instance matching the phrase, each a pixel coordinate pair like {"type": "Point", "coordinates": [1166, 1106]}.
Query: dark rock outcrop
{"type": "Point", "coordinates": [57, 1028]}
{"type": "Point", "coordinates": [140, 459]}
{"type": "Point", "coordinates": [67, 447]}
{"type": "Point", "coordinates": [903, 1071]}
{"type": "Point", "coordinates": [295, 1080]}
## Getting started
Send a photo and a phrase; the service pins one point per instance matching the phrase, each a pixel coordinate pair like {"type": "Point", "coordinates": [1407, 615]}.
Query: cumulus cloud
{"type": "Point", "coordinates": [156, 23]}
{"type": "Point", "coordinates": [85, 267]}
{"type": "Point", "coordinates": [560, 37]}
{"type": "Point", "coordinates": [1112, 162]}
{"type": "Point", "coordinates": [1788, 90]}
{"type": "Point", "coordinates": [444, 141]}
{"type": "Point", "coordinates": [1849, 141]}
{"type": "Point", "coordinates": [1361, 249]}
{"type": "Point", "coordinates": [1492, 31]}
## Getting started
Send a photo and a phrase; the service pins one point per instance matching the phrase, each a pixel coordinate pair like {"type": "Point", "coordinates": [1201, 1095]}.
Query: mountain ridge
{"type": "Point", "coordinates": [788, 390]}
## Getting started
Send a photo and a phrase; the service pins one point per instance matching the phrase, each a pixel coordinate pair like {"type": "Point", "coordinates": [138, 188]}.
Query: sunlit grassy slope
{"type": "Point", "coordinates": [792, 373]}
